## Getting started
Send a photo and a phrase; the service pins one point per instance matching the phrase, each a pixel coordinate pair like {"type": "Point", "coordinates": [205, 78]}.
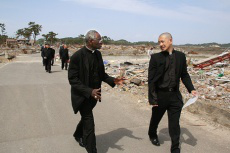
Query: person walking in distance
{"type": "Point", "coordinates": [42, 54]}
{"type": "Point", "coordinates": [166, 69]}
{"type": "Point", "coordinates": [64, 57]}
{"type": "Point", "coordinates": [47, 54]}
{"type": "Point", "coordinates": [61, 50]}
{"type": "Point", "coordinates": [86, 73]}
{"type": "Point", "coordinates": [53, 55]}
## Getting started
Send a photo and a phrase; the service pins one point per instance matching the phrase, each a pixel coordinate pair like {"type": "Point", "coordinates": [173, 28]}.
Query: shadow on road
{"type": "Point", "coordinates": [109, 140]}
{"type": "Point", "coordinates": [186, 136]}
{"type": "Point", "coordinates": [55, 71]}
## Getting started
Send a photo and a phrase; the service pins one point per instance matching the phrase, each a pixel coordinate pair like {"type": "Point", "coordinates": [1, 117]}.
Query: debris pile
{"type": "Point", "coordinates": [212, 84]}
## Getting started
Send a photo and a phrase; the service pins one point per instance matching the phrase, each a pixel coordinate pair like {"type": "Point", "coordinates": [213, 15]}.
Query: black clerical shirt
{"type": "Point", "coordinates": [169, 77]}
{"type": "Point", "coordinates": [94, 79]}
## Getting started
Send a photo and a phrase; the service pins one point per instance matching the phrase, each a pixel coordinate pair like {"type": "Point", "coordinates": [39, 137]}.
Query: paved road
{"type": "Point", "coordinates": [36, 117]}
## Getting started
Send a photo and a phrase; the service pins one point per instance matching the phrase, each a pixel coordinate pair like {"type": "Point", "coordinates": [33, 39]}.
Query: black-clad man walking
{"type": "Point", "coordinates": [166, 69]}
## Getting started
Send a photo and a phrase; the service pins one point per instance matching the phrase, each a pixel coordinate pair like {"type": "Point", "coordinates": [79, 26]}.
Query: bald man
{"type": "Point", "coordinates": [64, 57]}
{"type": "Point", "coordinates": [166, 69]}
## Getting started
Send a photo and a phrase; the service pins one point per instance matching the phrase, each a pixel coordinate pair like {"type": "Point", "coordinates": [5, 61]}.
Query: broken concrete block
{"type": "Point", "coordinates": [135, 81]}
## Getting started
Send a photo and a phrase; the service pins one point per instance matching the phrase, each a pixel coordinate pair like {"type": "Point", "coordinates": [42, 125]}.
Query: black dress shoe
{"type": "Point", "coordinates": [80, 141]}
{"type": "Point", "coordinates": [155, 141]}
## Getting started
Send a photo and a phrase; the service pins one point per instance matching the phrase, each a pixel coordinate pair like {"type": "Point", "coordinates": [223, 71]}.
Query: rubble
{"type": "Point", "coordinates": [212, 82]}
{"type": "Point", "coordinates": [213, 89]}
{"type": "Point", "coordinates": [210, 86]}
{"type": "Point", "coordinates": [135, 81]}
{"type": "Point", "coordinates": [11, 52]}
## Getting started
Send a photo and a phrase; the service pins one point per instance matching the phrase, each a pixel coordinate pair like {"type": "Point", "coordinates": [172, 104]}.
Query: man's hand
{"type": "Point", "coordinates": [194, 93]}
{"type": "Point", "coordinates": [96, 94]}
{"type": "Point", "coordinates": [119, 80]}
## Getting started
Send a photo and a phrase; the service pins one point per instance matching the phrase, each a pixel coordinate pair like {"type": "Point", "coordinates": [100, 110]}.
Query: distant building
{"type": "Point", "coordinates": [11, 41]}
{"type": "Point", "coordinates": [22, 41]}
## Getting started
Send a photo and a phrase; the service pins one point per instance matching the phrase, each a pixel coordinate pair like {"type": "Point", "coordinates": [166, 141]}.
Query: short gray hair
{"type": "Point", "coordinates": [166, 34]}
{"type": "Point", "coordinates": [90, 35]}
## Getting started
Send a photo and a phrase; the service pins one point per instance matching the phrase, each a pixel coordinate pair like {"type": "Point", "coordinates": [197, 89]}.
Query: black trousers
{"type": "Point", "coordinates": [64, 63]}
{"type": "Point", "coordinates": [170, 102]}
{"type": "Point", "coordinates": [86, 127]}
{"type": "Point", "coordinates": [43, 61]}
{"type": "Point", "coordinates": [52, 61]}
{"type": "Point", "coordinates": [48, 64]}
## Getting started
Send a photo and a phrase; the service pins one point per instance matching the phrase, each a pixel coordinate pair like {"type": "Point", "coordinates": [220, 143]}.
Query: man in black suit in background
{"type": "Point", "coordinates": [165, 71]}
{"type": "Point", "coordinates": [64, 57]}
{"type": "Point", "coordinates": [86, 73]}
{"type": "Point", "coordinates": [53, 55]}
{"type": "Point", "coordinates": [42, 54]}
{"type": "Point", "coordinates": [47, 54]}
{"type": "Point", "coordinates": [61, 50]}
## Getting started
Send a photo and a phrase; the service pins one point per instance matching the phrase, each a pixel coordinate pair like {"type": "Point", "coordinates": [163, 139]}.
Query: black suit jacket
{"type": "Point", "coordinates": [42, 51]}
{"type": "Point", "coordinates": [78, 75]}
{"type": "Point", "coordinates": [48, 53]}
{"type": "Point", "coordinates": [156, 72]}
{"type": "Point", "coordinates": [65, 54]}
{"type": "Point", "coordinates": [53, 52]}
{"type": "Point", "coordinates": [61, 51]}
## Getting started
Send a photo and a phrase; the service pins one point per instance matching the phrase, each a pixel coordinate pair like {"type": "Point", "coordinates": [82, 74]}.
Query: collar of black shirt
{"type": "Point", "coordinates": [90, 49]}
{"type": "Point", "coordinates": [166, 53]}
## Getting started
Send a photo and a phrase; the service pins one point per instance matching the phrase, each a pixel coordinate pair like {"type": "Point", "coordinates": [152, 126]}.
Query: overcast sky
{"type": "Point", "coordinates": [189, 21]}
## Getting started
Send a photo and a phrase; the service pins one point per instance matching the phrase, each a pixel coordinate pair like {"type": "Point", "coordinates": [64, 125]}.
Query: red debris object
{"type": "Point", "coordinates": [212, 60]}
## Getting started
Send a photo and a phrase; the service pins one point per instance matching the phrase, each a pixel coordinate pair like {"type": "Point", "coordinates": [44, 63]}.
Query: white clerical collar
{"type": "Point", "coordinates": [90, 49]}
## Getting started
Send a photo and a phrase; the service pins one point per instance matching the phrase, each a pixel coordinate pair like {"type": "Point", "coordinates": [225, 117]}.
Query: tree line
{"type": "Point", "coordinates": [106, 40]}
{"type": "Point", "coordinates": [3, 35]}
{"type": "Point", "coordinates": [33, 30]}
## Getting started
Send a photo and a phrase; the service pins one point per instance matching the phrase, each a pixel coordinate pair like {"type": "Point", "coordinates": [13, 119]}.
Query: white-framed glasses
{"type": "Point", "coordinates": [99, 40]}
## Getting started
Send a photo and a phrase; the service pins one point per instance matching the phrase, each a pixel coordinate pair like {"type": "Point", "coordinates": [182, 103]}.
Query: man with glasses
{"type": "Point", "coordinates": [86, 73]}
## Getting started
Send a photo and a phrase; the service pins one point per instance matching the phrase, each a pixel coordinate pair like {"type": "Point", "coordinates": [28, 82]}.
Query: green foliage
{"type": "Point", "coordinates": [35, 28]}
{"type": "Point", "coordinates": [121, 42]}
{"type": "Point", "coordinates": [106, 40]}
{"type": "Point", "coordinates": [148, 43]}
{"type": "Point", "coordinates": [3, 39]}
{"type": "Point", "coordinates": [50, 37]}
{"type": "Point", "coordinates": [208, 45]}
{"type": "Point", "coordinates": [225, 45]}
{"type": "Point", "coordinates": [40, 41]}
{"type": "Point", "coordinates": [3, 29]}
{"type": "Point", "coordinates": [70, 40]}
{"type": "Point", "coordinates": [19, 33]}
{"type": "Point", "coordinates": [26, 33]}
{"type": "Point", "coordinates": [45, 37]}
